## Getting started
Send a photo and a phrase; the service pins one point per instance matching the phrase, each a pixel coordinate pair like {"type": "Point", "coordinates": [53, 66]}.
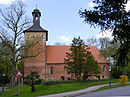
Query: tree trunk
{"type": "Point", "coordinates": [123, 71]}
{"type": "Point", "coordinates": [32, 84]}
{"type": "Point", "coordinates": [123, 66]}
{"type": "Point", "coordinates": [13, 74]}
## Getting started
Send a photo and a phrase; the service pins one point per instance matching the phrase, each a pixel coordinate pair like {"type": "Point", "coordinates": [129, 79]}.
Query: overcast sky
{"type": "Point", "coordinates": [61, 18]}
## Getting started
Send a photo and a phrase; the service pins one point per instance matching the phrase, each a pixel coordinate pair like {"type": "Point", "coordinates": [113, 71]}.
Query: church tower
{"type": "Point", "coordinates": [35, 46]}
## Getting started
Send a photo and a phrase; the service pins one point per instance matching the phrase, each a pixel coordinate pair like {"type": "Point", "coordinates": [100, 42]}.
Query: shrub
{"type": "Point", "coordinates": [6, 79]}
{"type": "Point", "coordinates": [32, 79]}
{"type": "Point", "coordinates": [116, 72]}
{"type": "Point", "coordinates": [58, 82]}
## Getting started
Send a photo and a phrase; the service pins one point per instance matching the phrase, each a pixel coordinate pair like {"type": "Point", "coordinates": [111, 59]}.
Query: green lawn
{"type": "Point", "coordinates": [53, 89]}
{"type": "Point", "coordinates": [110, 87]}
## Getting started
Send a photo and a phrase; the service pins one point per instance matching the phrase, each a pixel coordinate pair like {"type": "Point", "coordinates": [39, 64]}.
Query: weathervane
{"type": "Point", "coordinates": [36, 4]}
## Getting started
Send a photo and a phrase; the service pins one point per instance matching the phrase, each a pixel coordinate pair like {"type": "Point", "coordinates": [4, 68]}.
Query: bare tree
{"type": "Point", "coordinates": [104, 43]}
{"type": "Point", "coordinates": [59, 43]}
{"type": "Point", "coordinates": [14, 21]}
{"type": "Point", "coordinates": [92, 41]}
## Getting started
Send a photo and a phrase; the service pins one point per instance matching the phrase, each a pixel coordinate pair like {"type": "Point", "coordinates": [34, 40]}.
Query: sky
{"type": "Point", "coordinates": [61, 19]}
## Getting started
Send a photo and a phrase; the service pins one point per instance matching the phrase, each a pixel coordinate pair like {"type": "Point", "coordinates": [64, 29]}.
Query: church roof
{"type": "Point", "coordinates": [35, 28]}
{"type": "Point", "coordinates": [56, 54]}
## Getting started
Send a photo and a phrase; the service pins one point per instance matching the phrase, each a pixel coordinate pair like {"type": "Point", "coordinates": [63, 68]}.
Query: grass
{"type": "Point", "coordinates": [110, 87]}
{"type": "Point", "coordinates": [53, 89]}
{"type": "Point", "coordinates": [100, 89]}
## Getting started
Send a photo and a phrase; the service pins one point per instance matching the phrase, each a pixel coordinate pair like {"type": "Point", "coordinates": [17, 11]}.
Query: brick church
{"type": "Point", "coordinates": [48, 60]}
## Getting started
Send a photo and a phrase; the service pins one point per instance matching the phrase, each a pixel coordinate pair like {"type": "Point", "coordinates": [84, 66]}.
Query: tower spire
{"type": "Point", "coordinates": [36, 16]}
{"type": "Point", "coordinates": [36, 23]}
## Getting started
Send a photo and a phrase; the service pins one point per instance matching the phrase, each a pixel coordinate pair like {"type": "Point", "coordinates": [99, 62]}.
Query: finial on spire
{"type": "Point", "coordinates": [36, 3]}
{"type": "Point", "coordinates": [36, 6]}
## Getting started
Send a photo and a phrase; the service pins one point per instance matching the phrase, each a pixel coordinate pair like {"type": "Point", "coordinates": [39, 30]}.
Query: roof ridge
{"type": "Point", "coordinates": [67, 45]}
{"type": "Point", "coordinates": [58, 45]}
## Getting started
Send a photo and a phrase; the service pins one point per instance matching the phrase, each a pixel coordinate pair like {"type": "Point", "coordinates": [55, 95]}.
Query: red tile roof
{"type": "Point", "coordinates": [56, 54]}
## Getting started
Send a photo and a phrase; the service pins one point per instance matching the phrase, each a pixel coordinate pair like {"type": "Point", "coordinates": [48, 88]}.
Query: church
{"type": "Point", "coordinates": [48, 60]}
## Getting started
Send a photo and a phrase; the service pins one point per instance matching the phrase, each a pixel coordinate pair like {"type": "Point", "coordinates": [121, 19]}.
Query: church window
{"type": "Point", "coordinates": [104, 69]}
{"type": "Point", "coordinates": [51, 70]}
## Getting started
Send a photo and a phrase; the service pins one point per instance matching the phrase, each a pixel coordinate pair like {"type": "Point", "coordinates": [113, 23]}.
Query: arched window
{"type": "Point", "coordinates": [51, 70]}
{"type": "Point", "coordinates": [36, 17]}
{"type": "Point", "coordinates": [104, 69]}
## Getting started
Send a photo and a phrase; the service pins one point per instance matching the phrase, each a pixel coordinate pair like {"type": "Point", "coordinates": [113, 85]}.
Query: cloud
{"type": "Point", "coordinates": [127, 6]}
{"type": "Point", "coordinates": [107, 33]}
{"type": "Point", "coordinates": [7, 2]}
{"type": "Point", "coordinates": [64, 38]}
{"type": "Point", "coordinates": [91, 4]}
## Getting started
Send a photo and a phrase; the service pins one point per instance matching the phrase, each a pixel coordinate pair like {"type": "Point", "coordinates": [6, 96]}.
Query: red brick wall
{"type": "Point", "coordinates": [59, 71]}
{"type": "Point", "coordinates": [37, 52]}
{"type": "Point", "coordinates": [106, 73]}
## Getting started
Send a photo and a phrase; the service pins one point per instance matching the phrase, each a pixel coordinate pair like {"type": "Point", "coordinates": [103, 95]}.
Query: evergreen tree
{"type": "Point", "coordinates": [91, 67]}
{"type": "Point", "coordinates": [75, 59]}
{"type": "Point", "coordinates": [32, 79]}
{"type": "Point", "coordinates": [111, 14]}
{"type": "Point", "coordinates": [80, 61]}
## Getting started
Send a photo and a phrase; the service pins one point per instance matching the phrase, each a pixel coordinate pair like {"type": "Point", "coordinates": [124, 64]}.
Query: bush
{"type": "Point", "coordinates": [6, 79]}
{"type": "Point", "coordinates": [32, 79]}
{"type": "Point", "coordinates": [58, 82]}
{"type": "Point", "coordinates": [116, 72]}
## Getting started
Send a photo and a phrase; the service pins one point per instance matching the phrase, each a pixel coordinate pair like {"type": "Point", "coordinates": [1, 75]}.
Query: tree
{"type": "Point", "coordinates": [59, 43]}
{"type": "Point", "coordinates": [116, 72]}
{"type": "Point", "coordinates": [104, 42]}
{"type": "Point", "coordinates": [127, 70]}
{"type": "Point", "coordinates": [5, 68]}
{"type": "Point", "coordinates": [15, 21]}
{"type": "Point", "coordinates": [32, 79]}
{"type": "Point", "coordinates": [111, 14]}
{"type": "Point", "coordinates": [75, 59]}
{"type": "Point", "coordinates": [5, 65]}
{"type": "Point", "coordinates": [92, 41]}
{"type": "Point", "coordinates": [108, 49]}
{"type": "Point", "coordinates": [90, 67]}
{"type": "Point", "coordinates": [79, 61]}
